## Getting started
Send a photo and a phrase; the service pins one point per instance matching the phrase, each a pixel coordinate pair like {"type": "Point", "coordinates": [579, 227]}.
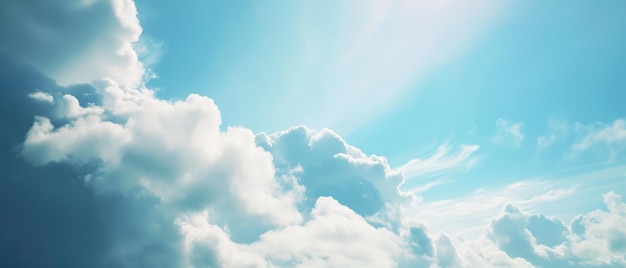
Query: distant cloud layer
{"type": "Point", "coordinates": [168, 186]}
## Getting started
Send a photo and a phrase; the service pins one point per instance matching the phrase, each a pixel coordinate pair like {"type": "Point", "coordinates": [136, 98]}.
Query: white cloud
{"type": "Point", "coordinates": [467, 215]}
{"type": "Point", "coordinates": [508, 132]}
{"type": "Point", "coordinates": [225, 191]}
{"type": "Point", "coordinates": [42, 96]}
{"type": "Point", "coordinates": [73, 41]}
{"type": "Point", "coordinates": [604, 239]}
{"type": "Point", "coordinates": [174, 150]}
{"type": "Point", "coordinates": [516, 238]}
{"type": "Point", "coordinates": [301, 197]}
{"type": "Point", "coordinates": [334, 237]}
{"type": "Point", "coordinates": [331, 167]}
{"type": "Point", "coordinates": [227, 196]}
{"type": "Point", "coordinates": [602, 243]}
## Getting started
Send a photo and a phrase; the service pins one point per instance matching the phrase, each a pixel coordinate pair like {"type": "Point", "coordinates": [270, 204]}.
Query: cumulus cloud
{"type": "Point", "coordinates": [535, 240]}
{"type": "Point", "coordinates": [173, 150]}
{"type": "Point", "coordinates": [322, 241]}
{"type": "Point", "coordinates": [509, 132]}
{"type": "Point", "coordinates": [229, 192]}
{"type": "Point", "coordinates": [73, 41]}
{"type": "Point", "coordinates": [202, 196]}
{"type": "Point", "coordinates": [331, 167]}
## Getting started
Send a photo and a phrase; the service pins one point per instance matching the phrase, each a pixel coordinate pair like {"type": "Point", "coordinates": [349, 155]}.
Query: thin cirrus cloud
{"type": "Point", "coordinates": [441, 160]}
{"type": "Point", "coordinates": [162, 183]}
{"type": "Point", "coordinates": [558, 130]}
{"type": "Point", "coordinates": [612, 135]}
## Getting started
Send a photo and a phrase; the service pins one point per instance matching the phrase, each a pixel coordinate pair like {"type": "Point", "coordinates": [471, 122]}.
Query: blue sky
{"type": "Point", "coordinates": [313, 134]}
{"type": "Point", "coordinates": [522, 62]}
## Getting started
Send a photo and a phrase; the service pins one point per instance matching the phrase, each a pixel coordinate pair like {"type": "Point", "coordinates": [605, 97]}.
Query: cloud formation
{"type": "Point", "coordinates": [222, 194]}
{"type": "Point", "coordinates": [173, 150]}
{"type": "Point", "coordinates": [222, 191]}
{"type": "Point", "coordinates": [599, 242]}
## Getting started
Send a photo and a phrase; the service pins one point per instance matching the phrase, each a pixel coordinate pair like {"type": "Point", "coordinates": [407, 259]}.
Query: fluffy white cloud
{"type": "Point", "coordinates": [334, 237]}
{"type": "Point", "coordinates": [597, 239]}
{"type": "Point", "coordinates": [73, 41]}
{"type": "Point", "coordinates": [509, 132]}
{"type": "Point", "coordinates": [174, 150]}
{"type": "Point", "coordinates": [331, 167]}
{"type": "Point", "coordinates": [232, 193]}
{"type": "Point", "coordinates": [42, 96]}
{"type": "Point", "coordinates": [602, 237]}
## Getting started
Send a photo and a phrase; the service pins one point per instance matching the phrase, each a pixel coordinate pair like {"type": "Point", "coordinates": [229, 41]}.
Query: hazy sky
{"type": "Point", "coordinates": [312, 133]}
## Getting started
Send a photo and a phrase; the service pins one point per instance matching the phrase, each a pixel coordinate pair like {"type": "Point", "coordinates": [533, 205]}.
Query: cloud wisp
{"type": "Point", "coordinates": [443, 159]}
{"type": "Point", "coordinates": [607, 138]}
{"type": "Point", "coordinates": [509, 132]}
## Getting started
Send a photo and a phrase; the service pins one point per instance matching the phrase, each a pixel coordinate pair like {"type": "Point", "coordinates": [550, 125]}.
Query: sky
{"type": "Point", "coordinates": [312, 134]}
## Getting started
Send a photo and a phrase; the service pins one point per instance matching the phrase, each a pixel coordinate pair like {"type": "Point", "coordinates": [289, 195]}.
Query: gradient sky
{"type": "Point", "coordinates": [313, 134]}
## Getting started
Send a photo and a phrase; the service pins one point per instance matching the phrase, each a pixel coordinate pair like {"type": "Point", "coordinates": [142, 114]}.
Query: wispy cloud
{"type": "Point", "coordinates": [443, 159]}
{"type": "Point", "coordinates": [579, 138]}
{"type": "Point", "coordinates": [558, 130]}
{"type": "Point", "coordinates": [509, 132]}
{"type": "Point", "coordinates": [470, 212]}
{"type": "Point", "coordinates": [612, 135]}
